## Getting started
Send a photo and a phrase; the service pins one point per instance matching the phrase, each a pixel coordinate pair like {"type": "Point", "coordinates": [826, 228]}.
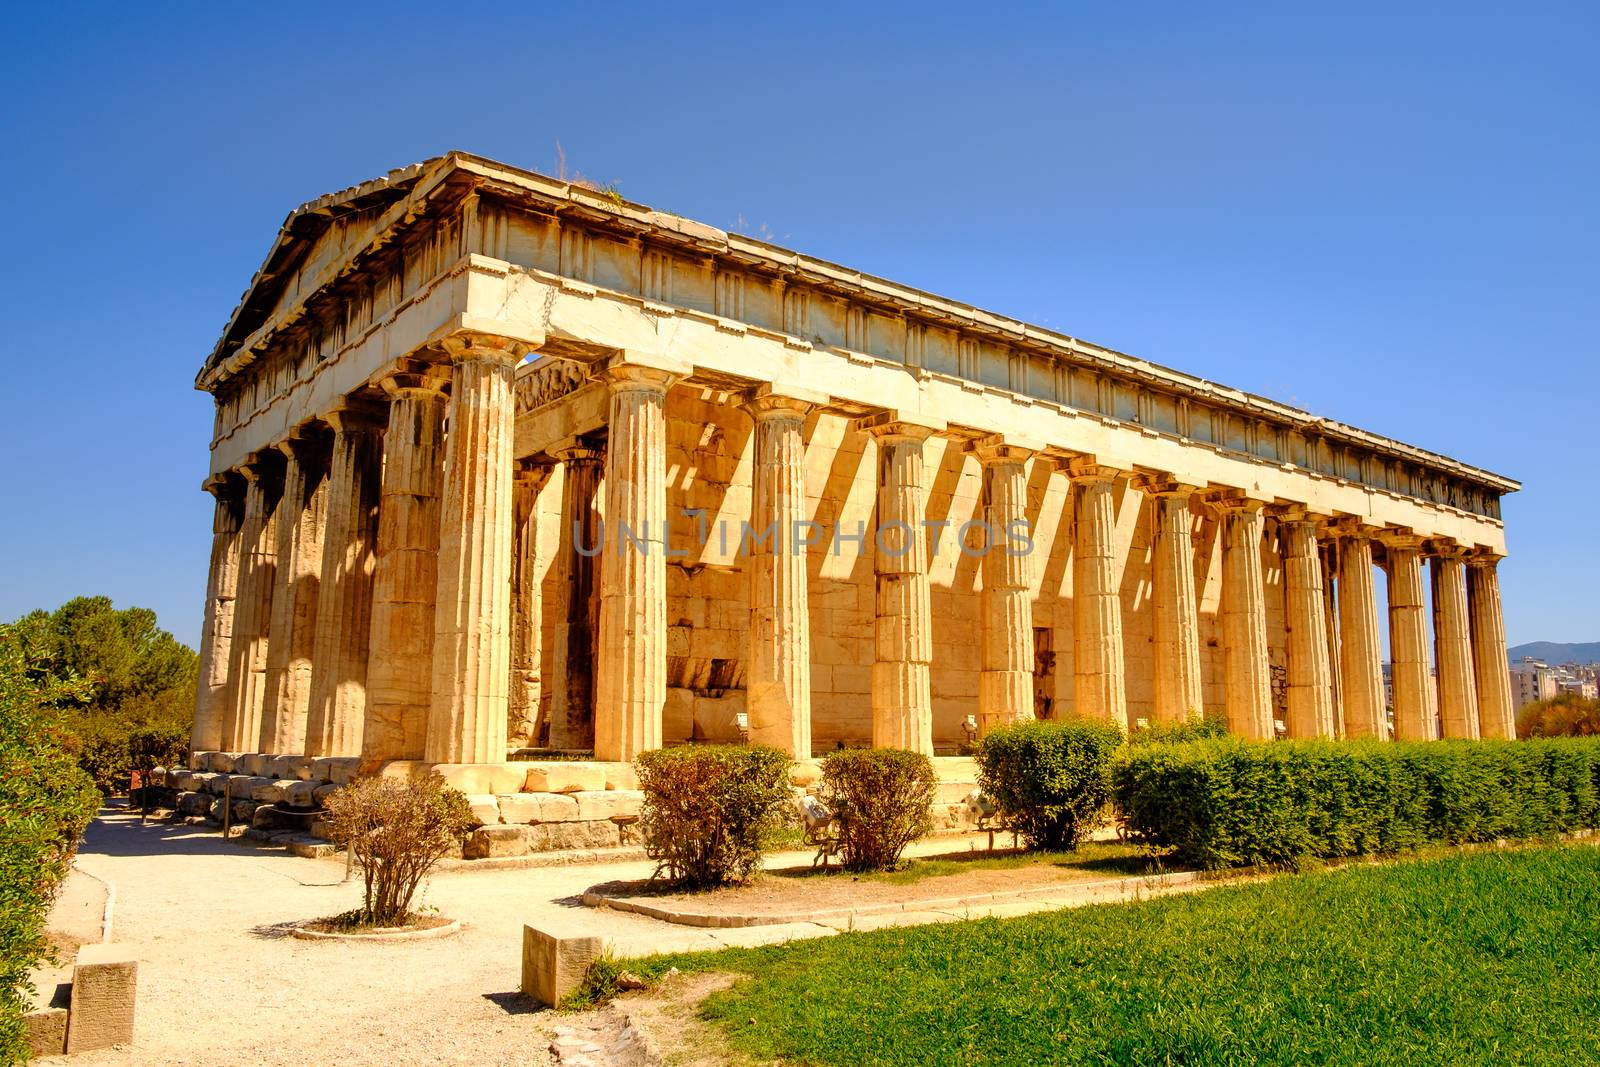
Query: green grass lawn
{"type": "Point", "coordinates": [1472, 959]}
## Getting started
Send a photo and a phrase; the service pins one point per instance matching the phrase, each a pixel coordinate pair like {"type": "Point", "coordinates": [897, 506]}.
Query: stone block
{"type": "Point", "coordinates": [253, 763]}
{"type": "Point", "coordinates": [243, 810]}
{"type": "Point", "coordinates": [290, 767]}
{"type": "Point", "coordinates": [484, 808]}
{"type": "Point", "coordinates": [105, 980]}
{"type": "Point", "coordinates": [197, 760]}
{"type": "Point", "coordinates": [403, 769]}
{"type": "Point", "coordinates": [272, 791]}
{"type": "Point", "coordinates": [537, 807]}
{"type": "Point", "coordinates": [677, 717]}
{"type": "Point", "coordinates": [322, 792]}
{"type": "Point", "coordinates": [311, 850]}
{"type": "Point", "coordinates": [194, 804]}
{"type": "Point", "coordinates": [608, 804]}
{"type": "Point", "coordinates": [805, 772]}
{"type": "Point", "coordinates": [300, 794]}
{"type": "Point", "coordinates": [218, 783]}
{"type": "Point", "coordinates": [340, 770]}
{"type": "Point", "coordinates": [555, 836]}
{"type": "Point", "coordinates": [482, 778]}
{"type": "Point", "coordinates": [47, 1032]}
{"type": "Point", "coordinates": [952, 792]}
{"type": "Point", "coordinates": [561, 776]}
{"type": "Point", "coordinates": [221, 762]}
{"type": "Point", "coordinates": [491, 841]}
{"type": "Point", "coordinates": [553, 965]}
{"type": "Point", "coordinates": [621, 776]}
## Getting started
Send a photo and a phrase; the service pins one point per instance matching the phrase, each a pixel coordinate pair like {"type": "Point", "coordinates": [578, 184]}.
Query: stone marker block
{"type": "Point", "coordinates": [561, 777]}
{"type": "Point", "coordinates": [47, 1032]}
{"type": "Point", "coordinates": [104, 982]}
{"type": "Point", "coordinates": [538, 807]}
{"type": "Point", "coordinates": [488, 842]}
{"type": "Point", "coordinates": [552, 965]}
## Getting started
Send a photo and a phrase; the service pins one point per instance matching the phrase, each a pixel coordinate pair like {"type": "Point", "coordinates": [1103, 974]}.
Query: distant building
{"type": "Point", "coordinates": [1532, 680]}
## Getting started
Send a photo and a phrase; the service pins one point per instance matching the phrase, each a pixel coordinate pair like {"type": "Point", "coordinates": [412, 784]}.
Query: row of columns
{"type": "Point", "coordinates": [371, 589]}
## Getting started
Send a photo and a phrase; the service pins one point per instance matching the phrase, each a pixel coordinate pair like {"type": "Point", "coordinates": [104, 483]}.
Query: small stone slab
{"type": "Point", "coordinates": [554, 964]}
{"type": "Point", "coordinates": [105, 981]}
{"type": "Point", "coordinates": [47, 1032]}
{"type": "Point", "coordinates": [561, 776]}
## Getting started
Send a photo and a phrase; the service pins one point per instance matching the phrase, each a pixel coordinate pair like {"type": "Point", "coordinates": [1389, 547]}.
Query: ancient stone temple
{"type": "Point", "coordinates": [504, 464]}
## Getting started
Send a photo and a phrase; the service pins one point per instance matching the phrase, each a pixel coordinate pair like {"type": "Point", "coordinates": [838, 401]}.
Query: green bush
{"type": "Point", "coordinates": [1049, 781]}
{"type": "Point", "coordinates": [708, 809]}
{"type": "Point", "coordinates": [45, 803]}
{"type": "Point", "coordinates": [882, 798]}
{"type": "Point", "coordinates": [396, 831]}
{"type": "Point", "coordinates": [1234, 803]}
{"type": "Point", "coordinates": [1197, 729]}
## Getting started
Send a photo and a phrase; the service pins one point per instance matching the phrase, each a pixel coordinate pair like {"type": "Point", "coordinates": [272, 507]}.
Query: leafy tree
{"type": "Point", "coordinates": [45, 803]}
{"type": "Point", "coordinates": [1564, 715]}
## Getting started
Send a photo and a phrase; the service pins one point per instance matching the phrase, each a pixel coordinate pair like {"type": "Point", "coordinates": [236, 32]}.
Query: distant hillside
{"type": "Point", "coordinates": [1551, 652]}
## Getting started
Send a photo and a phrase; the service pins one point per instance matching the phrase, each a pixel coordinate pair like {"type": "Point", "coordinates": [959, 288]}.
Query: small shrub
{"type": "Point", "coordinates": [709, 808]}
{"type": "Point", "coordinates": [881, 797]}
{"type": "Point", "coordinates": [1566, 715]}
{"type": "Point", "coordinates": [1238, 803]}
{"type": "Point", "coordinates": [1050, 781]}
{"type": "Point", "coordinates": [600, 984]}
{"type": "Point", "coordinates": [396, 832]}
{"type": "Point", "coordinates": [1196, 729]}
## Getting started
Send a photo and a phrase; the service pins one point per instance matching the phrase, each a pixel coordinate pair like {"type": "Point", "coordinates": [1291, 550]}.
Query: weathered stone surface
{"type": "Point", "coordinates": [538, 807]}
{"type": "Point", "coordinates": [482, 777]}
{"type": "Point", "coordinates": [323, 791]}
{"type": "Point", "coordinates": [105, 983]}
{"type": "Point", "coordinates": [274, 791]}
{"type": "Point", "coordinates": [608, 804]}
{"type": "Point", "coordinates": [562, 777]}
{"type": "Point", "coordinates": [805, 772]}
{"type": "Point", "coordinates": [311, 850]}
{"type": "Point", "coordinates": [222, 762]}
{"type": "Point", "coordinates": [289, 767]}
{"type": "Point", "coordinates": [194, 804]}
{"type": "Point", "coordinates": [554, 964]}
{"type": "Point", "coordinates": [300, 794]}
{"type": "Point", "coordinates": [253, 763]}
{"type": "Point", "coordinates": [484, 808]}
{"type": "Point", "coordinates": [621, 776]}
{"type": "Point", "coordinates": [47, 1032]}
{"type": "Point", "coordinates": [493, 841]}
{"type": "Point", "coordinates": [552, 836]}
{"type": "Point", "coordinates": [403, 769]}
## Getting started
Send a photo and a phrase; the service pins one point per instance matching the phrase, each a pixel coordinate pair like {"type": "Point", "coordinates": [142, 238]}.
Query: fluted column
{"type": "Point", "coordinates": [1458, 690]}
{"type": "Point", "coordinates": [1332, 590]}
{"type": "Point", "coordinates": [1414, 709]}
{"type": "Point", "coordinates": [405, 571]}
{"type": "Point", "coordinates": [631, 672]}
{"type": "Point", "coordinates": [902, 694]}
{"type": "Point", "coordinates": [1096, 598]}
{"type": "Point", "coordinates": [778, 675]}
{"type": "Point", "coordinates": [297, 581]}
{"type": "Point", "coordinates": [1005, 688]}
{"type": "Point", "coordinates": [527, 616]}
{"type": "Point", "coordinates": [1178, 693]}
{"type": "Point", "coordinates": [1244, 620]}
{"type": "Point", "coordinates": [1497, 715]}
{"type": "Point", "coordinates": [344, 603]}
{"type": "Point", "coordinates": [216, 629]}
{"type": "Point", "coordinates": [1361, 657]}
{"type": "Point", "coordinates": [1310, 711]}
{"type": "Point", "coordinates": [252, 610]}
{"type": "Point", "coordinates": [573, 642]}
{"type": "Point", "coordinates": [467, 720]}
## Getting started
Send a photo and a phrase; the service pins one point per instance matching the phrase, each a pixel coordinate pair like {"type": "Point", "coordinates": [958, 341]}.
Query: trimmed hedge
{"type": "Point", "coordinates": [709, 808]}
{"type": "Point", "coordinates": [883, 799]}
{"type": "Point", "coordinates": [1231, 803]}
{"type": "Point", "coordinates": [1049, 780]}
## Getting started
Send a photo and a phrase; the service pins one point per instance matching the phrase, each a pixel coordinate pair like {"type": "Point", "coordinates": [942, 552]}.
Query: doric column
{"type": "Point", "coordinates": [405, 571]}
{"type": "Point", "coordinates": [1497, 716]}
{"type": "Point", "coordinates": [902, 694]}
{"type": "Point", "coordinates": [1178, 693]}
{"type": "Point", "coordinates": [631, 673]}
{"type": "Point", "coordinates": [1332, 590]}
{"type": "Point", "coordinates": [1005, 688]}
{"type": "Point", "coordinates": [344, 603]}
{"type": "Point", "coordinates": [526, 615]}
{"type": "Point", "coordinates": [1458, 690]}
{"type": "Point", "coordinates": [573, 642]}
{"type": "Point", "coordinates": [778, 675]}
{"type": "Point", "coordinates": [1414, 709]}
{"type": "Point", "coordinates": [302, 514]}
{"type": "Point", "coordinates": [1310, 674]}
{"type": "Point", "coordinates": [1361, 657]}
{"type": "Point", "coordinates": [467, 719]}
{"type": "Point", "coordinates": [1096, 597]}
{"type": "Point", "coordinates": [216, 629]}
{"type": "Point", "coordinates": [252, 610]}
{"type": "Point", "coordinates": [1244, 619]}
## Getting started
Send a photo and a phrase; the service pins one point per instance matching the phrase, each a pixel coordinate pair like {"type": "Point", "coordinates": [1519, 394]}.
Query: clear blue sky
{"type": "Point", "coordinates": [1384, 213]}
